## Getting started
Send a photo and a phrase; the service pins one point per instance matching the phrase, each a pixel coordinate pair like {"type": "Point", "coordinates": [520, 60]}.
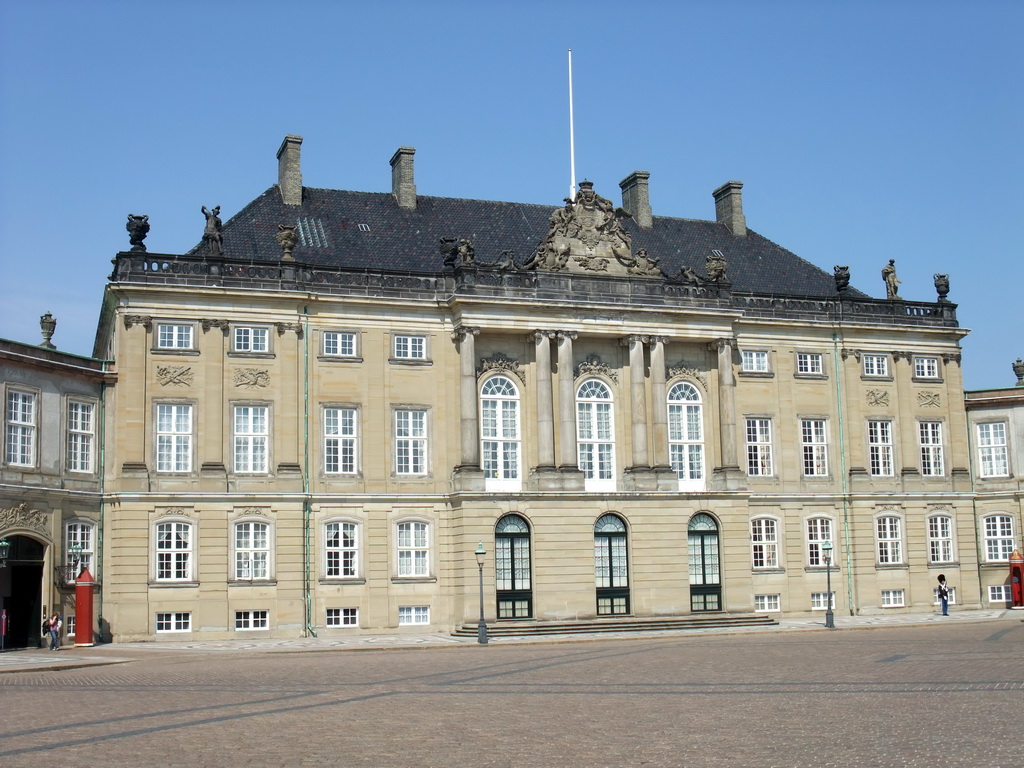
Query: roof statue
{"type": "Point", "coordinates": [212, 232]}
{"type": "Point", "coordinates": [891, 283]}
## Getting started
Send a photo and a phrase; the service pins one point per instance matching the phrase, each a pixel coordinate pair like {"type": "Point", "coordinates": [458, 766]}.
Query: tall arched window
{"type": "Point", "coordinates": [611, 566]}
{"type": "Point", "coordinates": [595, 435]}
{"type": "Point", "coordinates": [686, 436]}
{"type": "Point", "coordinates": [705, 565]}
{"type": "Point", "coordinates": [499, 433]}
{"type": "Point", "coordinates": [512, 568]}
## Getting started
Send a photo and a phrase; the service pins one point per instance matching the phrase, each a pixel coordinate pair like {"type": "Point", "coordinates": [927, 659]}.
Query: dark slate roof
{"type": "Point", "coordinates": [368, 230]}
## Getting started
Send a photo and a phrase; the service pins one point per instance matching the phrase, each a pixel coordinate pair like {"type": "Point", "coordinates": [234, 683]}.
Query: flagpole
{"type": "Point", "coordinates": [572, 140]}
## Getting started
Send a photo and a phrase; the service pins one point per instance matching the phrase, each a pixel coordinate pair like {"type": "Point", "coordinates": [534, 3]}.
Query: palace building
{"type": "Point", "coordinates": [322, 409]}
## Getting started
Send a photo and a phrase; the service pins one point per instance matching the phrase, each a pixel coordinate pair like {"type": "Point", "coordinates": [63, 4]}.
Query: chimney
{"type": "Point", "coordinates": [402, 185]}
{"type": "Point", "coordinates": [289, 174]}
{"type": "Point", "coordinates": [729, 207]}
{"type": "Point", "coordinates": [635, 198]}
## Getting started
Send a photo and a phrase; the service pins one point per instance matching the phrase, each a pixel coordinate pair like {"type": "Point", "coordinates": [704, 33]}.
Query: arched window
{"type": "Point", "coordinates": [705, 565]}
{"type": "Point", "coordinates": [611, 567]}
{"type": "Point", "coordinates": [889, 539]}
{"type": "Point", "coordinates": [686, 435]}
{"type": "Point", "coordinates": [252, 550]}
{"type": "Point", "coordinates": [819, 530]}
{"type": "Point", "coordinates": [595, 435]}
{"type": "Point", "coordinates": [940, 539]}
{"type": "Point", "coordinates": [499, 433]}
{"type": "Point", "coordinates": [174, 551]}
{"type": "Point", "coordinates": [341, 548]}
{"type": "Point", "coordinates": [512, 568]}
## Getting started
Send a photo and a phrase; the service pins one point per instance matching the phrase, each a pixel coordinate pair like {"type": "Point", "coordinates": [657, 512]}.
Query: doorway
{"type": "Point", "coordinates": [21, 588]}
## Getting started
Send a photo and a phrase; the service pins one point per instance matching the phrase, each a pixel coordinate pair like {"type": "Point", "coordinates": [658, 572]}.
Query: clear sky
{"type": "Point", "coordinates": [863, 130]}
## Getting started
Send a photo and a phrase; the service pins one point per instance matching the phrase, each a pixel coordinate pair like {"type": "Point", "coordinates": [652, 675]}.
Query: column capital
{"type": "Point", "coordinates": [719, 344]}
{"type": "Point", "coordinates": [657, 340]}
{"type": "Point", "coordinates": [571, 335]}
{"type": "Point", "coordinates": [633, 338]}
{"type": "Point", "coordinates": [144, 320]}
{"type": "Point", "coordinates": [539, 334]}
{"type": "Point", "coordinates": [464, 330]}
{"type": "Point", "coordinates": [207, 324]}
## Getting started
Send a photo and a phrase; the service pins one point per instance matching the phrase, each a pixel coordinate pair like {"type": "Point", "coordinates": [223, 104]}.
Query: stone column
{"type": "Point", "coordinates": [659, 403]}
{"type": "Point", "coordinates": [468, 475]}
{"type": "Point", "coordinates": [729, 468]}
{"type": "Point", "coordinates": [138, 419]}
{"type": "Point", "coordinates": [545, 401]}
{"type": "Point", "coordinates": [638, 399]}
{"type": "Point", "coordinates": [567, 459]}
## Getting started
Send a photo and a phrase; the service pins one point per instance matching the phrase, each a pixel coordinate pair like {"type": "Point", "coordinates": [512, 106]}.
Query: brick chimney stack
{"type": "Point", "coordinates": [729, 207]}
{"type": "Point", "coordinates": [635, 198]}
{"type": "Point", "coordinates": [289, 173]}
{"type": "Point", "coordinates": [402, 185]}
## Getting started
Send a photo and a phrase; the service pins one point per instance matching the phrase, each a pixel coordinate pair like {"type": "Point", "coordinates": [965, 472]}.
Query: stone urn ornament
{"type": "Point", "coordinates": [1018, 369]}
{"type": "Point", "coordinates": [138, 228]}
{"type": "Point", "coordinates": [942, 286]}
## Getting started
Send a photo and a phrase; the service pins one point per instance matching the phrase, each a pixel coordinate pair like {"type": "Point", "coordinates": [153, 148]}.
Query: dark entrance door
{"type": "Point", "coordinates": [21, 584]}
{"type": "Point", "coordinates": [512, 568]}
{"type": "Point", "coordinates": [705, 566]}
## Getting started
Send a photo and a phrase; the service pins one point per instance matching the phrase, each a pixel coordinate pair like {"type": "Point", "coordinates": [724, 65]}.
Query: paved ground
{"type": "Point", "coordinates": [918, 692]}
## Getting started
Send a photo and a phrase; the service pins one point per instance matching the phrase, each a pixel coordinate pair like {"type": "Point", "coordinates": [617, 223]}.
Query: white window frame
{"type": "Point", "coordinates": [409, 615]}
{"type": "Point", "coordinates": [174, 436]}
{"type": "Point", "coordinates": [875, 366]}
{"type": "Point", "coordinates": [70, 626]}
{"type": "Point", "coordinates": [21, 428]}
{"type": "Point", "coordinates": [880, 448]}
{"type": "Point", "coordinates": [764, 543]}
{"type": "Point", "coordinates": [341, 549]}
{"type": "Point", "coordinates": [250, 339]}
{"type": "Point", "coordinates": [167, 622]}
{"type": "Point", "coordinates": [926, 367]}
{"type": "Point", "coordinates": [174, 548]}
{"type": "Point", "coordinates": [252, 546]}
{"type": "Point", "coordinates": [408, 346]}
{"type": "Point", "coordinates": [758, 432]}
{"type": "Point", "coordinates": [810, 364]}
{"type": "Point", "coordinates": [595, 434]}
{"type": "Point", "coordinates": [767, 603]}
{"type": "Point", "coordinates": [251, 439]}
{"type": "Point", "coordinates": [252, 621]}
{"type": "Point", "coordinates": [1000, 593]}
{"type": "Point", "coordinates": [82, 534]}
{"type": "Point", "coordinates": [940, 538]}
{"type": "Point", "coordinates": [814, 447]}
{"type": "Point", "coordinates": [686, 435]}
{"type": "Point", "coordinates": [993, 458]}
{"type": "Point", "coordinates": [500, 434]}
{"type": "Point", "coordinates": [340, 344]}
{"type": "Point", "coordinates": [754, 361]}
{"type": "Point", "coordinates": [951, 596]}
{"type": "Point", "coordinates": [889, 539]}
{"type": "Point", "coordinates": [411, 446]}
{"type": "Point", "coordinates": [341, 440]}
{"type": "Point", "coordinates": [80, 435]}
{"type": "Point", "coordinates": [894, 598]}
{"type": "Point", "coordinates": [819, 600]}
{"type": "Point", "coordinates": [342, 617]}
{"type": "Point", "coordinates": [175, 336]}
{"type": "Point", "coordinates": [998, 535]}
{"type": "Point", "coordinates": [819, 530]}
{"type": "Point", "coordinates": [413, 550]}
{"type": "Point", "coordinates": [929, 439]}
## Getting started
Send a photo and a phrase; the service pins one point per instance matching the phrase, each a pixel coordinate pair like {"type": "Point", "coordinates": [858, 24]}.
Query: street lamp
{"type": "Point", "coordinates": [481, 627]}
{"type": "Point", "coordinates": [5, 547]}
{"type": "Point", "coordinates": [826, 551]}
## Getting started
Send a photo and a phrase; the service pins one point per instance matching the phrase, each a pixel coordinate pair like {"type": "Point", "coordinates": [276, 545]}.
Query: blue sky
{"type": "Point", "coordinates": [862, 131]}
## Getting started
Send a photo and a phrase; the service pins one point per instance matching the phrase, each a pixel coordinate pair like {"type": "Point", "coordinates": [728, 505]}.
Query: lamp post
{"type": "Point", "coordinates": [5, 547]}
{"type": "Point", "coordinates": [75, 556]}
{"type": "Point", "coordinates": [826, 551]}
{"type": "Point", "coordinates": [481, 627]}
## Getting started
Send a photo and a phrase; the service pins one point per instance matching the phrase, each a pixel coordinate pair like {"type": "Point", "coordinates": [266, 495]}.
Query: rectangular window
{"type": "Point", "coordinates": [340, 441]}
{"type": "Point", "coordinates": [252, 431]}
{"type": "Point", "coordinates": [413, 549]}
{"type": "Point", "coordinates": [819, 601]}
{"type": "Point", "coordinates": [69, 626]}
{"type": "Point", "coordinates": [342, 548]}
{"type": "Point", "coordinates": [249, 339]}
{"type": "Point", "coordinates": [413, 614]}
{"type": "Point", "coordinates": [21, 428]}
{"type": "Point", "coordinates": [765, 603]}
{"type": "Point", "coordinates": [929, 434]}
{"type": "Point", "coordinates": [890, 540]}
{"type": "Point", "coordinates": [759, 446]}
{"type": "Point", "coordinates": [765, 543]}
{"type": "Point", "coordinates": [252, 620]}
{"type": "Point", "coordinates": [173, 336]}
{"type": "Point", "coordinates": [1000, 593]}
{"type": "Point", "coordinates": [819, 530]}
{"type": "Point", "coordinates": [814, 447]}
{"type": "Point", "coordinates": [892, 598]}
{"type": "Point", "coordinates": [992, 450]}
{"type": "Point", "coordinates": [951, 596]}
{"type": "Point", "coordinates": [754, 361]}
{"type": "Point", "coordinates": [410, 347]}
{"type": "Point", "coordinates": [173, 438]}
{"type": "Point", "coordinates": [940, 539]}
{"type": "Point", "coordinates": [252, 551]}
{"type": "Point", "coordinates": [178, 621]}
{"type": "Point", "coordinates": [342, 617]}
{"type": "Point", "coordinates": [174, 551]}
{"type": "Point", "coordinates": [410, 442]}
{"type": "Point", "coordinates": [809, 364]}
{"type": "Point", "coordinates": [339, 344]}
{"type": "Point", "coordinates": [926, 367]}
{"type": "Point", "coordinates": [79, 543]}
{"type": "Point", "coordinates": [79, 436]}
{"type": "Point", "coordinates": [875, 365]}
{"type": "Point", "coordinates": [880, 448]}
{"type": "Point", "coordinates": [998, 538]}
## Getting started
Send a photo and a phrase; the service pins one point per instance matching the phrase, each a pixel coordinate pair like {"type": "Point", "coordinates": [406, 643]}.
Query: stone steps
{"type": "Point", "coordinates": [586, 626]}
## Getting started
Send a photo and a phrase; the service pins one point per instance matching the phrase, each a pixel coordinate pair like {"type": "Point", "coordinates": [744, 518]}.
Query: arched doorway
{"type": "Point", "coordinates": [611, 566]}
{"type": "Point", "coordinates": [705, 565]}
{"type": "Point", "coordinates": [21, 589]}
{"type": "Point", "coordinates": [512, 568]}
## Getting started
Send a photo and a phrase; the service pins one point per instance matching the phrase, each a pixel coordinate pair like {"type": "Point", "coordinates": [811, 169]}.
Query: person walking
{"type": "Point", "coordinates": [943, 595]}
{"type": "Point", "coordinates": [55, 625]}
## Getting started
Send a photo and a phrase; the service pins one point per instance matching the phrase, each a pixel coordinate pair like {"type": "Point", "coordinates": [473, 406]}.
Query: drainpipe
{"type": "Point", "coordinates": [306, 506]}
{"type": "Point", "coordinates": [978, 554]}
{"type": "Point", "coordinates": [99, 535]}
{"type": "Point", "coordinates": [847, 541]}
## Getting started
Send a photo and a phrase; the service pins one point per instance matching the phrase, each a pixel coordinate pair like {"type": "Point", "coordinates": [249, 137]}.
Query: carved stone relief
{"type": "Point", "coordinates": [252, 377]}
{"type": "Point", "coordinates": [928, 399]}
{"type": "Point", "coordinates": [174, 375]}
{"type": "Point", "coordinates": [283, 327]}
{"type": "Point", "coordinates": [144, 320]}
{"type": "Point", "coordinates": [687, 372]}
{"type": "Point", "coordinates": [23, 517]}
{"type": "Point", "coordinates": [174, 512]}
{"type": "Point", "coordinates": [208, 324]}
{"type": "Point", "coordinates": [594, 365]}
{"type": "Point", "coordinates": [501, 363]}
{"type": "Point", "coordinates": [877, 397]}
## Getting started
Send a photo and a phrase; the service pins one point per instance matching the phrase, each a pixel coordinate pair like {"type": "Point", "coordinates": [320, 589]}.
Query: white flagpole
{"type": "Point", "coordinates": [572, 140]}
